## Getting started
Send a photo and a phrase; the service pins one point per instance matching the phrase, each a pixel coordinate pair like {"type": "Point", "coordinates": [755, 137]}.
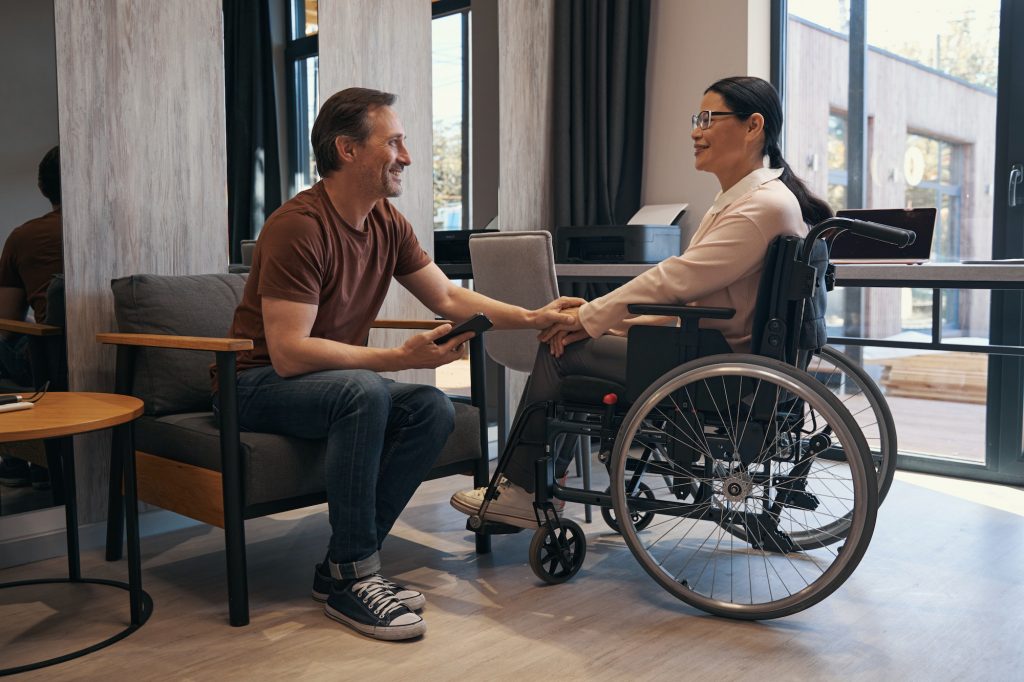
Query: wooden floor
{"type": "Point", "coordinates": [937, 597]}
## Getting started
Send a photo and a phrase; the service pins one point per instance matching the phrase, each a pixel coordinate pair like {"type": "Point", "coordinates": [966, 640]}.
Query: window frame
{"type": "Point", "coordinates": [297, 51]}
{"type": "Point", "coordinates": [1004, 456]}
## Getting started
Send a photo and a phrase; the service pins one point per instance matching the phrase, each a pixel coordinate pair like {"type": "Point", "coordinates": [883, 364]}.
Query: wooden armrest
{"type": "Point", "coordinates": [30, 328]}
{"type": "Point", "coordinates": [169, 341]}
{"type": "Point", "coordinates": [408, 324]}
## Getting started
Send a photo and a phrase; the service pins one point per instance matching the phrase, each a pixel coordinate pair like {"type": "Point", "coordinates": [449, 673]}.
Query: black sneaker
{"type": "Point", "coordinates": [322, 588]}
{"type": "Point", "coordinates": [14, 472]}
{"type": "Point", "coordinates": [368, 605]}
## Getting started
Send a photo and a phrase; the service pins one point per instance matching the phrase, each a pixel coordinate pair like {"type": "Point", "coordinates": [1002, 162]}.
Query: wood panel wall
{"type": "Point", "coordinates": [525, 73]}
{"type": "Point", "coordinates": [386, 46]}
{"type": "Point", "coordinates": [525, 82]}
{"type": "Point", "coordinates": [141, 99]}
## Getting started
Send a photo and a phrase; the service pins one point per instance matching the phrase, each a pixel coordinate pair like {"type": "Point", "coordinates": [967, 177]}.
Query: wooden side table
{"type": "Point", "coordinates": [59, 415]}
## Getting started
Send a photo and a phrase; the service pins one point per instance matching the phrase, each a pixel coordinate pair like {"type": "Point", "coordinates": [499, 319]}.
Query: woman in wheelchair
{"type": "Point", "coordinates": [739, 482]}
{"type": "Point", "coordinates": [736, 137]}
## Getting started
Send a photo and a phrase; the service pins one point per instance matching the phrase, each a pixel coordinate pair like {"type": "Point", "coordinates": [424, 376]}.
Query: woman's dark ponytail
{"type": "Point", "coordinates": [746, 93]}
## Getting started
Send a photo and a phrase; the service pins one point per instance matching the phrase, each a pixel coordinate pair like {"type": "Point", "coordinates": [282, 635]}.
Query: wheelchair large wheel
{"type": "Point", "coordinates": [764, 472]}
{"type": "Point", "coordinates": [865, 401]}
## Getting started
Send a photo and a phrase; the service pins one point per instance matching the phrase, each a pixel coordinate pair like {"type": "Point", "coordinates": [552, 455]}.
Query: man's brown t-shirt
{"type": "Point", "coordinates": [307, 253]}
{"type": "Point", "coordinates": [32, 255]}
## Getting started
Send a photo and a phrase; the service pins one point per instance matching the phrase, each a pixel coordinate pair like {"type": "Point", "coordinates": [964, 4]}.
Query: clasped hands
{"type": "Point", "coordinates": [564, 326]}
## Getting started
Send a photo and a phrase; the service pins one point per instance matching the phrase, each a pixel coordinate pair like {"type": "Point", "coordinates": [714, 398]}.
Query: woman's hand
{"type": "Point", "coordinates": [558, 336]}
{"type": "Point", "coordinates": [562, 339]}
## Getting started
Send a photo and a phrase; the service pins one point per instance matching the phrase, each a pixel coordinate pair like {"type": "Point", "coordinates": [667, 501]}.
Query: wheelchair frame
{"type": "Point", "coordinates": [559, 545]}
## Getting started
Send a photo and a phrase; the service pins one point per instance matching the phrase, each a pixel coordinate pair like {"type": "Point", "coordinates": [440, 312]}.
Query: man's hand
{"type": "Point", "coordinates": [562, 310]}
{"type": "Point", "coordinates": [420, 351]}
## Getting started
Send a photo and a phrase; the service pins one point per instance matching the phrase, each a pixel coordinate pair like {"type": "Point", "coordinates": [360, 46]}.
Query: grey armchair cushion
{"type": "Point", "coordinates": [186, 305]}
{"type": "Point", "coordinates": [275, 467]}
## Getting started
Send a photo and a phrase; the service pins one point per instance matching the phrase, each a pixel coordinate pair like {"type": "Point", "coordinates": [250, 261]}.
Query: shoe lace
{"type": "Point", "coordinates": [395, 589]}
{"type": "Point", "coordinates": [377, 594]}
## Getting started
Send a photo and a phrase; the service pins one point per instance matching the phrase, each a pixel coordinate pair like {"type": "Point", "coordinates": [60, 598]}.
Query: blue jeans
{"type": "Point", "coordinates": [382, 439]}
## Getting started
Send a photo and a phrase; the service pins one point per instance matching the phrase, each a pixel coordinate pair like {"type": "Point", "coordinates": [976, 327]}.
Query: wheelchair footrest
{"type": "Point", "coordinates": [493, 528]}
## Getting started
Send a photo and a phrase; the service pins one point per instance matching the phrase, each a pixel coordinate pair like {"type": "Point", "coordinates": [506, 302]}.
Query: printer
{"type": "Point", "coordinates": [451, 252]}
{"type": "Point", "coordinates": [651, 236]}
{"type": "Point", "coordinates": [616, 243]}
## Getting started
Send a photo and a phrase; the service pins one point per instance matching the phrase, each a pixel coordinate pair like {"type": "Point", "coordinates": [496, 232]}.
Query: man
{"type": "Point", "coordinates": [320, 271]}
{"type": "Point", "coordinates": [32, 255]}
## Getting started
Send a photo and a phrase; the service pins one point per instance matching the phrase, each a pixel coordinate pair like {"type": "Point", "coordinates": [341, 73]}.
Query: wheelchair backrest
{"type": "Point", "coordinates": [789, 319]}
{"type": "Point", "coordinates": [789, 315]}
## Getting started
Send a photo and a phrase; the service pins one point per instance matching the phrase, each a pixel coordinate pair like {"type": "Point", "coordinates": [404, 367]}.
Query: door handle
{"type": "Point", "coordinates": [1016, 178]}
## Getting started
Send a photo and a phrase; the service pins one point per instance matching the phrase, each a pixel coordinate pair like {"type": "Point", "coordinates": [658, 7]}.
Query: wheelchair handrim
{"type": "Point", "coordinates": [808, 389]}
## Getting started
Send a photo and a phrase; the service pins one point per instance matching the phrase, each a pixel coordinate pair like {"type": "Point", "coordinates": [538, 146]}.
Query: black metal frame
{"type": "Point", "coordinates": [236, 511]}
{"type": "Point", "coordinates": [790, 269]}
{"type": "Point", "coordinates": [297, 50]}
{"type": "Point", "coordinates": [140, 603]}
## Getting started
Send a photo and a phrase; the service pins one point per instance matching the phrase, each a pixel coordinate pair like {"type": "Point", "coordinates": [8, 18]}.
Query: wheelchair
{"type": "Point", "coordinates": [740, 482]}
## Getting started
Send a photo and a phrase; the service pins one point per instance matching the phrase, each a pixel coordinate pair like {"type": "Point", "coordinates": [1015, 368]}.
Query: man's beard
{"type": "Point", "coordinates": [392, 188]}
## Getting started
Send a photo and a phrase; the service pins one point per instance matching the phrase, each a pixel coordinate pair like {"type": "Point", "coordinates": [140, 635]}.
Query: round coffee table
{"type": "Point", "coordinates": [61, 415]}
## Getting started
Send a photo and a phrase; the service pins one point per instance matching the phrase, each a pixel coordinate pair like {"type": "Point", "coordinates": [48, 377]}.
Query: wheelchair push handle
{"type": "Point", "coordinates": [884, 233]}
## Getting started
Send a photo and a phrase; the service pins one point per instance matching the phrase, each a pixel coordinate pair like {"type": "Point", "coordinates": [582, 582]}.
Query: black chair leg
{"type": "Point", "coordinates": [238, 582]}
{"type": "Point", "coordinates": [115, 501]}
{"type": "Point", "coordinates": [234, 499]}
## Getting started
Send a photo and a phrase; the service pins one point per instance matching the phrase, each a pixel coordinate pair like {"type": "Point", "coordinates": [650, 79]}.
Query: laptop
{"type": "Point", "coordinates": [853, 248]}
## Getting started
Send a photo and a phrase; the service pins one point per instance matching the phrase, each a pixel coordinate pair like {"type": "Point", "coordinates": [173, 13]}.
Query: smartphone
{"type": "Point", "coordinates": [479, 323]}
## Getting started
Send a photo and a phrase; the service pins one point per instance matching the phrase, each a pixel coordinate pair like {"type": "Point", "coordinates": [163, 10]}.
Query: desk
{"type": "Point", "coordinates": [65, 414]}
{"type": "Point", "coordinates": [934, 276]}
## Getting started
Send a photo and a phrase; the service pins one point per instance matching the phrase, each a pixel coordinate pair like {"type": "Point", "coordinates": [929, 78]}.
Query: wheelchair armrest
{"type": "Point", "coordinates": [681, 311]}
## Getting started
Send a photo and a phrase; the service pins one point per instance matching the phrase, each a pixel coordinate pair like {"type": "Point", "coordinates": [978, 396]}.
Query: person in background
{"type": "Point", "coordinates": [32, 255]}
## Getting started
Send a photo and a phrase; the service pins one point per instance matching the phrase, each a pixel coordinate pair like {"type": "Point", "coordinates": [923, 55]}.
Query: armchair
{"type": "Point", "coordinates": [198, 463]}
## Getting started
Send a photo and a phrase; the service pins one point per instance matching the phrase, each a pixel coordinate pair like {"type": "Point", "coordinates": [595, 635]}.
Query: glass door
{"type": "Point", "coordinates": [910, 104]}
{"type": "Point", "coordinates": [1005, 425]}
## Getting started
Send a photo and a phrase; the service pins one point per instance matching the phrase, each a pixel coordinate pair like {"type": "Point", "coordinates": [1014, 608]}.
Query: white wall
{"type": "Point", "coordinates": [691, 46]}
{"type": "Point", "coordinates": [28, 116]}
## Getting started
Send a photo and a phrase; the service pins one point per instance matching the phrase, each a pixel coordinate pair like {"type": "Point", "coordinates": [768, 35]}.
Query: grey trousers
{"type": "Point", "coordinates": [600, 358]}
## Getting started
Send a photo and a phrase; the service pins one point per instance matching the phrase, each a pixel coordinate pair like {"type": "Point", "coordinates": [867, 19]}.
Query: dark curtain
{"type": "Point", "coordinates": [599, 101]}
{"type": "Point", "coordinates": [254, 176]}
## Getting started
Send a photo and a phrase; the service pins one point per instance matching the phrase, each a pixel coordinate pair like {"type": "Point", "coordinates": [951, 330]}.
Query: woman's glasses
{"type": "Point", "coordinates": [702, 119]}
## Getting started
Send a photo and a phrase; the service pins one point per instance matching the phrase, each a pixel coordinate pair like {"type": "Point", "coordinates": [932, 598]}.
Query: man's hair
{"type": "Point", "coordinates": [344, 114]}
{"type": "Point", "coordinates": [49, 176]}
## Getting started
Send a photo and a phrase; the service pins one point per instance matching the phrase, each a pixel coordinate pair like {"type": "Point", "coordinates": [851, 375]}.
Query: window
{"type": "Point", "coordinates": [450, 75]}
{"type": "Point", "coordinates": [303, 75]}
{"type": "Point", "coordinates": [926, 136]}
{"type": "Point", "coordinates": [836, 194]}
{"type": "Point", "coordinates": [933, 172]}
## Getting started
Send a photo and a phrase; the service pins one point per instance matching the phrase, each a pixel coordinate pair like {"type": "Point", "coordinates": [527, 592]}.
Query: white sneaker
{"type": "Point", "coordinates": [512, 506]}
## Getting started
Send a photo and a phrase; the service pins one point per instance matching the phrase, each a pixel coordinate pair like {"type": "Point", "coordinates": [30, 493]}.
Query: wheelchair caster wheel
{"type": "Point", "coordinates": [556, 554]}
{"type": "Point", "coordinates": [639, 520]}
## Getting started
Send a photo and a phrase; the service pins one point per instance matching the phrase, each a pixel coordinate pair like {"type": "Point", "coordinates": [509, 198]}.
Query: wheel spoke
{"type": "Point", "coordinates": [743, 525]}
